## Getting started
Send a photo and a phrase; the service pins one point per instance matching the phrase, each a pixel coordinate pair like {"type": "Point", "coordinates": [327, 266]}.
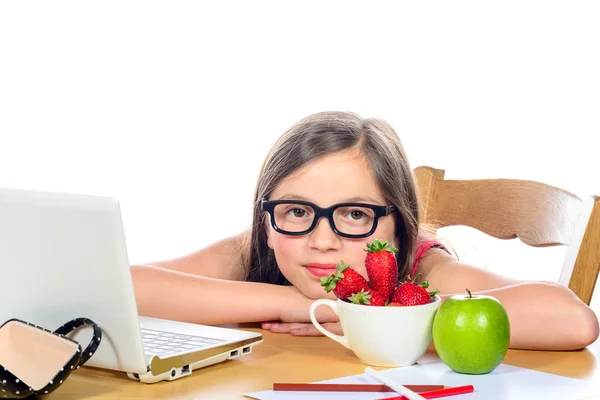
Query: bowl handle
{"type": "Point", "coordinates": [334, 306]}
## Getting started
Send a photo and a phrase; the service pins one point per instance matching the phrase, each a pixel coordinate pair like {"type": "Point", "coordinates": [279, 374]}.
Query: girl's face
{"type": "Point", "coordinates": [336, 178]}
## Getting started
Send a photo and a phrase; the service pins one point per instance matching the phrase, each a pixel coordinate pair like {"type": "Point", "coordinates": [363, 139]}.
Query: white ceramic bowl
{"type": "Point", "coordinates": [382, 336]}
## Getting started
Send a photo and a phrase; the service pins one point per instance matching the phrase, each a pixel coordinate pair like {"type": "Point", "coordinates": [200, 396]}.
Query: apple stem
{"type": "Point", "coordinates": [470, 296]}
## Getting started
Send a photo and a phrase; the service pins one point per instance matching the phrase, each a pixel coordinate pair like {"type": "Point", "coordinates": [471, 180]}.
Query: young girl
{"type": "Point", "coordinates": [329, 185]}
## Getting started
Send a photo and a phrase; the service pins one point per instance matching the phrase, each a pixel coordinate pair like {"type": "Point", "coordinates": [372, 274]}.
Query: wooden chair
{"type": "Point", "coordinates": [538, 214]}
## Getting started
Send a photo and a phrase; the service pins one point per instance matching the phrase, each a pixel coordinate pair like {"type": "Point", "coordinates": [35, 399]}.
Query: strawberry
{"type": "Point", "coordinates": [382, 267]}
{"type": "Point", "coordinates": [344, 282]}
{"type": "Point", "coordinates": [409, 293]}
{"type": "Point", "coordinates": [369, 298]}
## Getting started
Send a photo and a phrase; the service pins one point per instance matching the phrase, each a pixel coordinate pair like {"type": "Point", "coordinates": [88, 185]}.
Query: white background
{"type": "Point", "coordinates": [171, 106]}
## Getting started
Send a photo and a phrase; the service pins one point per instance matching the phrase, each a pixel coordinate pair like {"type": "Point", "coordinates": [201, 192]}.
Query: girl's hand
{"type": "Point", "coordinates": [294, 316]}
{"type": "Point", "coordinates": [295, 309]}
{"type": "Point", "coordinates": [302, 329]}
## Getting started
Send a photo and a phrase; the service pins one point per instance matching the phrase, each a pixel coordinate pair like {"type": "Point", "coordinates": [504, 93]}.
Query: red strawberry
{"type": "Point", "coordinates": [382, 267]}
{"type": "Point", "coordinates": [409, 293]}
{"type": "Point", "coordinates": [344, 282]}
{"type": "Point", "coordinates": [370, 298]}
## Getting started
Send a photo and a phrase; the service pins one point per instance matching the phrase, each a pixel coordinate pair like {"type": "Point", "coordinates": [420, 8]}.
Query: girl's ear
{"type": "Point", "coordinates": [268, 233]}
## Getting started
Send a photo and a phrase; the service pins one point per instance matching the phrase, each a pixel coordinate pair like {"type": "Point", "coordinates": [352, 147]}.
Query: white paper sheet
{"type": "Point", "coordinates": [505, 382]}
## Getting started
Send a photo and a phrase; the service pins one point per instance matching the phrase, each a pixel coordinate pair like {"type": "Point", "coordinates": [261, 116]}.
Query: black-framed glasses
{"type": "Point", "coordinates": [349, 220]}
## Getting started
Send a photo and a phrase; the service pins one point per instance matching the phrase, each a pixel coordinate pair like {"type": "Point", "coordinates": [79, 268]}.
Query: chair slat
{"type": "Point", "coordinates": [540, 215]}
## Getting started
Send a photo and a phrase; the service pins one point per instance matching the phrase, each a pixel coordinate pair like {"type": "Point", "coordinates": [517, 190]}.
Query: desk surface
{"type": "Point", "coordinates": [285, 358]}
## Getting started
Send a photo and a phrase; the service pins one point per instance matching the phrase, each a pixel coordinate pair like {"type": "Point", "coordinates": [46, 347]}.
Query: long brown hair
{"type": "Point", "coordinates": [325, 133]}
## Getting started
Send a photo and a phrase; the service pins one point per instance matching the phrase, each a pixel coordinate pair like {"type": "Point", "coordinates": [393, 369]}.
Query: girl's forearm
{"type": "Point", "coordinates": [545, 316]}
{"type": "Point", "coordinates": [167, 294]}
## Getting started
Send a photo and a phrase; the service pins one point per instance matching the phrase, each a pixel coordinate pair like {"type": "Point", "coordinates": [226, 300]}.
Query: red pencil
{"type": "Point", "coordinates": [452, 391]}
{"type": "Point", "coordinates": [337, 387]}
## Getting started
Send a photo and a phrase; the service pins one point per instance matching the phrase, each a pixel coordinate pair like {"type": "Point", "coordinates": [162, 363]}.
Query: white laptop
{"type": "Point", "coordinates": [63, 256]}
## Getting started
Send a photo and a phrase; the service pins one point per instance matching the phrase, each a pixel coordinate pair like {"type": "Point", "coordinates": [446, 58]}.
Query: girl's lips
{"type": "Point", "coordinates": [321, 270]}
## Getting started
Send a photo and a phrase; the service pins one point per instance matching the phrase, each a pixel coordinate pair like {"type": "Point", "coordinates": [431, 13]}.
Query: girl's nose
{"type": "Point", "coordinates": [323, 237]}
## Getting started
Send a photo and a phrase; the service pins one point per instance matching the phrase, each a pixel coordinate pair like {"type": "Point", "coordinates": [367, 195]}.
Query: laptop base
{"type": "Point", "coordinates": [177, 372]}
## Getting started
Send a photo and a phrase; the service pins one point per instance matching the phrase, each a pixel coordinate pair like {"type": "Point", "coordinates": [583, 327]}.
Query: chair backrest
{"type": "Point", "coordinates": [538, 214]}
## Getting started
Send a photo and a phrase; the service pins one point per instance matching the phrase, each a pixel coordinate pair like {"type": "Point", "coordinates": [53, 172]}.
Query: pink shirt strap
{"type": "Point", "coordinates": [422, 247]}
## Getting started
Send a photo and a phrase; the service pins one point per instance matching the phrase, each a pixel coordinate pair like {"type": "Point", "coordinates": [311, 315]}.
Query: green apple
{"type": "Point", "coordinates": [471, 333]}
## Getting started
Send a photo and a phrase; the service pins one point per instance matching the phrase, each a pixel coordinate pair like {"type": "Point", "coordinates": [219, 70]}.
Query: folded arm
{"type": "Point", "coordinates": [163, 293]}
{"type": "Point", "coordinates": [207, 287]}
{"type": "Point", "coordinates": [543, 315]}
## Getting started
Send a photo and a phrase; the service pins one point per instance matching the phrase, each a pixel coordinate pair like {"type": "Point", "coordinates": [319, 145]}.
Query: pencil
{"type": "Point", "coordinates": [451, 391]}
{"type": "Point", "coordinates": [333, 387]}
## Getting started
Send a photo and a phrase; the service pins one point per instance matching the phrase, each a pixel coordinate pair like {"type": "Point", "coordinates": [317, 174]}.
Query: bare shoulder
{"type": "Point", "coordinates": [449, 275]}
{"type": "Point", "coordinates": [224, 259]}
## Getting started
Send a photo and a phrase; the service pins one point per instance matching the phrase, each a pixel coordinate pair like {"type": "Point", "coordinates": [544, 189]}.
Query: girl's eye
{"type": "Point", "coordinates": [356, 215]}
{"type": "Point", "coordinates": [297, 212]}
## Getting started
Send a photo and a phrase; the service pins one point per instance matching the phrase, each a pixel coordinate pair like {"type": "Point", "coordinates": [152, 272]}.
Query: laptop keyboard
{"type": "Point", "coordinates": [167, 343]}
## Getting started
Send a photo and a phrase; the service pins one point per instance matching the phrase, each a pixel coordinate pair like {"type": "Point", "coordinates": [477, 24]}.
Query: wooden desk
{"type": "Point", "coordinates": [285, 358]}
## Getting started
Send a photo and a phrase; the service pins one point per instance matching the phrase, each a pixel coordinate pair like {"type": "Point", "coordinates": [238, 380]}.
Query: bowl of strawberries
{"type": "Point", "coordinates": [387, 322]}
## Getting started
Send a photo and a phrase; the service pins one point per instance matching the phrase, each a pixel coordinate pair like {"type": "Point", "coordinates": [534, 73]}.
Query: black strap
{"type": "Point", "coordinates": [94, 343]}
